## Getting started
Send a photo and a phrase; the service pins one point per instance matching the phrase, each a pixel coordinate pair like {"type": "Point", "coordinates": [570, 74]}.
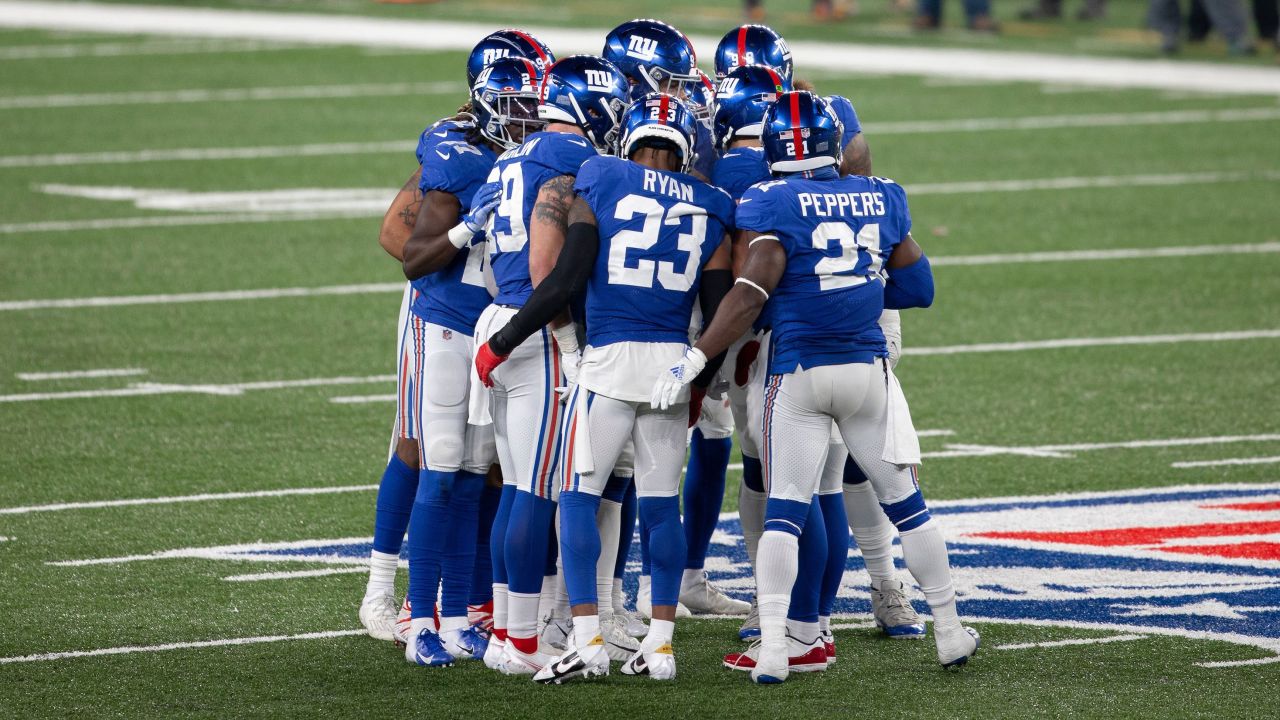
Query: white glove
{"type": "Point", "coordinates": [567, 340]}
{"type": "Point", "coordinates": [671, 382]}
{"type": "Point", "coordinates": [891, 325]}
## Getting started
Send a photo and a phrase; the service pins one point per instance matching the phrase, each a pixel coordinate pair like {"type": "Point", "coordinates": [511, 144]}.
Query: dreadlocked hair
{"type": "Point", "coordinates": [804, 85]}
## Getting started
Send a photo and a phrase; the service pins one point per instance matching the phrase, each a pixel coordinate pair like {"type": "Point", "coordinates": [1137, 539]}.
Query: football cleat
{"type": "Point", "coordinates": [515, 662]}
{"type": "Point", "coordinates": [645, 607]}
{"type": "Point", "coordinates": [555, 635]}
{"type": "Point", "coordinates": [660, 664]}
{"type": "Point", "coordinates": [481, 615]}
{"type": "Point", "coordinates": [801, 656]}
{"type": "Point", "coordinates": [401, 633]}
{"type": "Point", "coordinates": [829, 644]}
{"type": "Point", "coordinates": [493, 652]}
{"type": "Point", "coordinates": [957, 646]}
{"type": "Point", "coordinates": [630, 622]}
{"type": "Point", "coordinates": [703, 597]}
{"type": "Point", "coordinates": [429, 651]}
{"type": "Point", "coordinates": [469, 643]}
{"type": "Point", "coordinates": [893, 612]}
{"type": "Point", "coordinates": [750, 629]}
{"type": "Point", "coordinates": [772, 666]}
{"type": "Point", "coordinates": [617, 642]}
{"type": "Point", "coordinates": [591, 661]}
{"type": "Point", "coordinates": [378, 615]}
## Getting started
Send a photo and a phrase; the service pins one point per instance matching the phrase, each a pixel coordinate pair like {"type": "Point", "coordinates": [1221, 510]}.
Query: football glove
{"type": "Point", "coordinates": [483, 204]}
{"type": "Point", "coordinates": [486, 362]}
{"type": "Point", "coordinates": [671, 382]}
{"type": "Point", "coordinates": [742, 366]}
{"type": "Point", "coordinates": [696, 396]}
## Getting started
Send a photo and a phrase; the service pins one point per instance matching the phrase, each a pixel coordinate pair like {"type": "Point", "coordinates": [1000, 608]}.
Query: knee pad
{"type": "Point", "coordinates": [626, 465]}
{"type": "Point", "coordinates": [716, 420]}
{"type": "Point", "coordinates": [908, 513]}
{"type": "Point", "coordinates": [445, 379]}
{"type": "Point", "coordinates": [480, 450]}
{"type": "Point", "coordinates": [788, 516]}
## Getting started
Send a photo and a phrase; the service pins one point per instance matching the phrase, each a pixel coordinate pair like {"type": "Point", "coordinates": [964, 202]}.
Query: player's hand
{"type": "Point", "coordinates": [696, 396]}
{"type": "Point", "coordinates": [483, 204]}
{"type": "Point", "coordinates": [486, 362]}
{"type": "Point", "coordinates": [671, 382]}
{"type": "Point", "coordinates": [746, 356]}
{"type": "Point", "coordinates": [569, 366]}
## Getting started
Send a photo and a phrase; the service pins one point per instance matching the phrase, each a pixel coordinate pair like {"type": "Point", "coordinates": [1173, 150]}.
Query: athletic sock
{"type": "Point", "coordinates": [626, 530]}
{"type": "Point", "coordinates": [458, 556]}
{"type": "Point", "coordinates": [580, 545]}
{"type": "Point", "coordinates": [660, 633]}
{"type": "Point", "coordinates": [751, 505]}
{"type": "Point", "coordinates": [585, 629]}
{"type": "Point", "coordinates": [837, 531]}
{"type": "Point", "coordinates": [811, 554]}
{"type": "Point", "coordinates": [382, 573]}
{"type": "Point", "coordinates": [871, 529]}
{"type": "Point", "coordinates": [607, 517]}
{"type": "Point", "coordinates": [526, 548]}
{"type": "Point", "coordinates": [498, 554]}
{"type": "Point", "coordinates": [619, 599]}
{"type": "Point", "coordinates": [395, 503]}
{"type": "Point", "coordinates": [660, 516]}
{"type": "Point", "coordinates": [703, 493]}
{"type": "Point", "coordinates": [925, 553]}
{"type": "Point", "coordinates": [775, 577]}
{"type": "Point", "coordinates": [429, 528]}
{"type": "Point", "coordinates": [522, 621]}
{"type": "Point", "coordinates": [500, 611]}
{"type": "Point", "coordinates": [824, 624]}
{"type": "Point", "coordinates": [806, 632]}
{"type": "Point", "coordinates": [482, 576]}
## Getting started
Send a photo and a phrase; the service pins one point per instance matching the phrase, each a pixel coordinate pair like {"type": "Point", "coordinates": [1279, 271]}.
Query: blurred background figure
{"type": "Point", "coordinates": [1052, 10]}
{"type": "Point", "coordinates": [822, 9]}
{"type": "Point", "coordinates": [977, 15]}
{"type": "Point", "coordinates": [1226, 16]}
{"type": "Point", "coordinates": [1266, 18]}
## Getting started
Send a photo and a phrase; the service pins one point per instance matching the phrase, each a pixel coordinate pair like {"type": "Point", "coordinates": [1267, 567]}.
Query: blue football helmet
{"type": "Point", "coordinates": [742, 98]}
{"type": "Point", "coordinates": [661, 119]}
{"type": "Point", "coordinates": [588, 92]}
{"type": "Point", "coordinates": [753, 45]}
{"type": "Point", "coordinates": [654, 56]}
{"type": "Point", "coordinates": [504, 100]}
{"type": "Point", "coordinates": [507, 43]}
{"type": "Point", "coordinates": [801, 133]}
{"type": "Point", "coordinates": [702, 97]}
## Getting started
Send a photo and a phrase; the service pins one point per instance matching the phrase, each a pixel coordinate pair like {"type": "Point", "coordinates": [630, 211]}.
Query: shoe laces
{"type": "Point", "coordinates": [431, 641]}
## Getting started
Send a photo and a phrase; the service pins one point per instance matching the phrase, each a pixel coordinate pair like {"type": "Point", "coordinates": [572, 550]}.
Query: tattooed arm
{"type": "Point", "coordinates": [548, 227]}
{"type": "Point", "coordinates": [398, 223]}
{"type": "Point", "coordinates": [429, 248]}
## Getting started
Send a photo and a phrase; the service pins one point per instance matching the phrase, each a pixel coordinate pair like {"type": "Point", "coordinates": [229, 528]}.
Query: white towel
{"type": "Point", "coordinates": [584, 461]}
{"type": "Point", "coordinates": [901, 444]}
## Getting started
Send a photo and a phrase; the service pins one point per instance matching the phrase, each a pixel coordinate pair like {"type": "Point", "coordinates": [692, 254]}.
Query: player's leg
{"type": "Point", "coordinates": [397, 488]}
{"type": "Point", "coordinates": [923, 548]}
{"type": "Point", "coordinates": [498, 533]}
{"type": "Point", "coordinates": [836, 527]}
{"type": "Point", "coordinates": [628, 619]}
{"type": "Point", "coordinates": [746, 399]}
{"type": "Point", "coordinates": [462, 637]}
{"type": "Point", "coordinates": [480, 603]}
{"type": "Point", "coordinates": [704, 478]}
{"type": "Point", "coordinates": [660, 448]}
{"type": "Point", "coordinates": [593, 435]}
{"type": "Point", "coordinates": [874, 535]}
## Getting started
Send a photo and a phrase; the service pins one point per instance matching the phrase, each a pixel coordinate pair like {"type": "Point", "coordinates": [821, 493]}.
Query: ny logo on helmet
{"type": "Point", "coordinates": [599, 80]}
{"type": "Point", "coordinates": [491, 54]}
{"type": "Point", "coordinates": [641, 47]}
{"type": "Point", "coordinates": [727, 86]}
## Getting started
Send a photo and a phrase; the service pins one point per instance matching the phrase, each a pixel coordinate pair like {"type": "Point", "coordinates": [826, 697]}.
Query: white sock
{"type": "Point", "coordinates": [824, 624]}
{"type": "Point", "coordinates": [609, 523]}
{"type": "Point", "coordinates": [645, 590]}
{"type": "Point", "coordinates": [561, 597]}
{"type": "Point", "coordinates": [925, 553]}
{"type": "Point", "coordinates": [619, 600]}
{"type": "Point", "coordinates": [660, 633]}
{"type": "Point", "coordinates": [776, 571]}
{"type": "Point", "coordinates": [417, 625]}
{"type": "Point", "coordinates": [453, 623]}
{"type": "Point", "coordinates": [585, 629]}
{"type": "Point", "coordinates": [500, 608]}
{"type": "Point", "coordinates": [522, 615]}
{"type": "Point", "coordinates": [806, 632]}
{"type": "Point", "coordinates": [691, 577]}
{"type": "Point", "coordinates": [871, 530]}
{"type": "Point", "coordinates": [751, 514]}
{"type": "Point", "coordinates": [382, 573]}
{"type": "Point", "coordinates": [547, 597]}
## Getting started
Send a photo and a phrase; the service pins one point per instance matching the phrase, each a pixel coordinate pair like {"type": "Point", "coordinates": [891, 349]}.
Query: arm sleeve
{"type": "Point", "coordinates": [910, 286]}
{"type": "Point", "coordinates": [567, 278]}
{"type": "Point", "coordinates": [715, 285]}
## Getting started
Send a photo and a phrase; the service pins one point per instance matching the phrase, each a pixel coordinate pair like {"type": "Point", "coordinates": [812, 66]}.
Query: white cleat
{"type": "Point", "coordinates": [403, 618]}
{"type": "Point", "coordinates": [468, 643]}
{"type": "Point", "coordinates": [956, 646]}
{"type": "Point", "coordinates": [893, 612]}
{"type": "Point", "coordinates": [554, 638]}
{"type": "Point", "coordinates": [515, 662]}
{"type": "Point", "coordinates": [493, 653]}
{"type": "Point", "coordinates": [645, 607]}
{"type": "Point", "coordinates": [378, 615]}
{"type": "Point", "coordinates": [659, 664]}
{"type": "Point", "coordinates": [750, 629]}
{"type": "Point", "coordinates": [630, 622]}
{"type": "Point", "coordinates": [617, 643]}
{"type": "Point", "coordinates": [772, 665]}
{"type": "Point", "coordinates": [585, 663]}
{"type": "Point", "coordinates": [703, 597]}
{"type": "Point", "coordinates": [799, 657]}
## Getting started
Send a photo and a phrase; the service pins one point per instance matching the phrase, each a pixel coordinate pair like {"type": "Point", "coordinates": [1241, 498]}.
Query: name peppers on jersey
{"type": "Point", "coordinates": [837, 235]}
{"type": "Point", "coordinates": [455, 295]}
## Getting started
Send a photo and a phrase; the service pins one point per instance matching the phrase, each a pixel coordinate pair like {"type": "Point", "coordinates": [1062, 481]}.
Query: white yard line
{"type": "Point", "coordinates": [78, 374]}
{"type": "Point", "coordinates": [1073, 641]}
{"type": "Point", "coordinates": [1113, 254]}
{"type": "Point", "coordinates": [1241, 663]}
{"type": "Point", "coordinates": [179, 221]}
{"type": "Point", "coordinates": [1049, 122]}
{"type": "Point", "coordinates": [1064, 451]}
{"type": "Point", "coordinates": [145, 47]}
{"type": "Point", "coordinates": [1092, 342]}
{"type": "Point", "coordinates": [443, 35]}
{"type": "Point", "coordinates": [175, 499]}
{"type": "Point", "coordinates": [130, 649]}
{"type": "Point", "coordinates": [295, 574]}
{"type": "Point", "coordinates": [1081, 183]}
{"type": "Point", "coordinates": [223, 296]}
{"type": "Point", "coordinates": [169, 97]}
{"type": "Point", "coordinates": [139, 389]}
{"type": "Point", "coordinates": [358, 399]}
{"type": "Point", "coordinates": [199, 154]}
{"type": "Point", "coordinates": [1229, 461]}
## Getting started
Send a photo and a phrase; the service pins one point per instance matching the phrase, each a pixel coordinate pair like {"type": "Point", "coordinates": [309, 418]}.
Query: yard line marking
{"type": "Point", "coordinates": [76, 374]}
{"type": "Point", "coordinates": [1228, 461]}
{"type": "Point", "coordinates": [151, 47]}
{"type": "Point", "coordinates": [172, 499]}
{"type": "Point", "coordinates": [1073, 641]}
{"type": "Point", "coordinates": [280, 200]}
{"type": "Point", "coordinates": [1092, 342]}
{"type": "Point", "coordinates": [438, 35]}
{"type": "Point", "coordinates": [1049, 122]}
{"type": "Point", "coordinates": [129, 649]}
{"type": "Point", "coordinates": [225, 153]}
{"type": "Point", "coordinates": [221, 296]}
{"type": "Point", "coordinates": [244, 551]}
{"type": "Point", "coordinates": [168, 97]}
{"type": "Point", "coordinates": [294, 574]}
{"type": "Point", "coordinates": [139, 389]}
{"type": "Point", "coordinates": [1112, 254]}
{"type": "Point", "coordinates": [180, 220]}
{"type": "Point", "coordinates": [356, 399]}
{"type": "Point", "coordinates": [1240, 663]}
{"type": "Point", "coordinates": [1080, 183]}
{"type": "Point", "coordinates": [964, 451]}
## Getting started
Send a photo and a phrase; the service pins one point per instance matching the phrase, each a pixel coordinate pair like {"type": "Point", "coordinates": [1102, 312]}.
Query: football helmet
{"type": "Point", "coordinates": [653, 55]}
{"type": "Point", "coordinates": [504, 100]}
{"type": "Point", "coordinates": [742, 98]}
{"type": "Point", "coordinates": [753, 45]}
{"type": "Point", "coordinates": [588, 92]}
{"type": "Point", "coordinates": [800, 133]}
{"type": "Point", "coordinates": [702, 96]}
{"type": "Point", "coordinates": [663, 120]}
{"type": "Point", "coordinates": [507, 43]}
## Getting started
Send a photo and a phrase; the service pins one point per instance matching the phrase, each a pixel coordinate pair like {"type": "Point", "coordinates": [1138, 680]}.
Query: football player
{"type": "Point", "coordinates": [832, 253]}
{"type": "Point", "coordinates": [745, 166]}
{"type": "Point", "coordinates": [582, 100]}
{"type": "Point", "coordinates": [456, 455]}
{"type": "Point", "coordinates": [645, 239]}
{"type": "Point", "coordinates": [399, 484]}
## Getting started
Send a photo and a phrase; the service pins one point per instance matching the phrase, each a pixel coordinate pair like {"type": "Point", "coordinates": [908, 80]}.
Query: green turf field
{"type": "Point", "coordinates": [1168, 184]}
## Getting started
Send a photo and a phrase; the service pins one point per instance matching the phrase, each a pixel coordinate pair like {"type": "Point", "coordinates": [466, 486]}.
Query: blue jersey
{"type": "Point", "coordinates": [455, 295]}
{"type": "Point", "coordinates": [657, 230]}
{"type": "Point", "coordinates": [705, 149]}
{"type": "Point", "coordinates": [739, 169]}
{"type": "Point", "coordinates": [837, 235]}
{"type": "Point", "coordinates": [848, 117]}
{"type": "Point", "coordinates": [522, 171]}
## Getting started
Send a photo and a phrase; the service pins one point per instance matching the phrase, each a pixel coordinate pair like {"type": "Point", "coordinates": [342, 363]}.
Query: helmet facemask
{"type": "Point", "coordinates": [512, 116]}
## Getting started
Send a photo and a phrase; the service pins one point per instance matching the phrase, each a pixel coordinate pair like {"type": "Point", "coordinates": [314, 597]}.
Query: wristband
{"type": "Point", "coordinates": [460, 235]}
{"type": "Point", "coordinates": [566, 338]}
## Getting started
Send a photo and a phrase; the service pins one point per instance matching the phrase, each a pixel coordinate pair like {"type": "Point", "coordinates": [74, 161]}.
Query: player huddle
{"type": "Point", "coordinates": [567, 235]}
